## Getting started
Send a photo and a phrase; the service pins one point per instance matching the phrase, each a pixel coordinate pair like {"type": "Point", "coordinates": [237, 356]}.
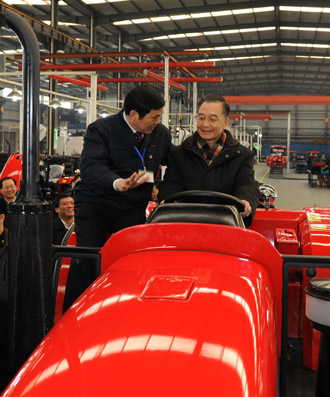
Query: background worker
{"type": "Point", "coordinates": [212, 159]}
{"type": "Point", "coordinates": [8, 189]}
{"type": "Point", "coordinates": [64, 207]}
{"type": "Point", "coordinates": [120, 159]}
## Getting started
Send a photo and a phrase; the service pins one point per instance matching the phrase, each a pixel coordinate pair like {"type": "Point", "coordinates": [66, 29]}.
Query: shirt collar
{"type": "Point", "coordinates": [133, 130]}
{"type": "Point", "coordinates": [65, 224]}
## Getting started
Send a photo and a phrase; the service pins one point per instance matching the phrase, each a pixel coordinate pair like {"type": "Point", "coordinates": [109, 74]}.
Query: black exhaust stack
{"type": "Point", "coordinates": [29, 230]}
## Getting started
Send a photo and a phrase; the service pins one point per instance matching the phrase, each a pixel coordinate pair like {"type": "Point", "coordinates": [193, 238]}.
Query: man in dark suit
{"type": "Point", "coordinates": [64, 207]}
{"type": "Point", "coordinates": [119, 163]}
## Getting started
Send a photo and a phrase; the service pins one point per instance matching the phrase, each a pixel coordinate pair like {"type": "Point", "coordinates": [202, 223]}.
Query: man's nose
{"type": "Point", "coordinates": [206, 121]}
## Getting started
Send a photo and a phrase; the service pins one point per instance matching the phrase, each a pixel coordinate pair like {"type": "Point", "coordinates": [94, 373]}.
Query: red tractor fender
{"type": "Point", "coordinates": [13, 169]}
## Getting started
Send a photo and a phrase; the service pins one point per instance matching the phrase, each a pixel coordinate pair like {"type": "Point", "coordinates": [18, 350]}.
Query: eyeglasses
{"type": "Point", "coordinates": [211, 119]}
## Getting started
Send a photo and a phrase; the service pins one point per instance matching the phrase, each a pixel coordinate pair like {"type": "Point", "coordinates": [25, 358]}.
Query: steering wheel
{"type": "Point", "coordinates": [205, 197]}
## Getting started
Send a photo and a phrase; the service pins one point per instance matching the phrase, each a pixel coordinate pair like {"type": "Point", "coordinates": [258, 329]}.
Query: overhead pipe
{"type": "Point", "coordinates": [162, 79]}
{"type": "Point", "coordinates": [198, 79]}
{"type": "Point", "coordinates": [121, 54]}
{"type": "Point", "coordinates": [172, 70]}
{"type": "Point", "coordinates": [64, 79]}
{"type": "Point", "coordinates": [127, 65]}
{"type": "Point", "coordinates": [250, 116]}
{"type": "Point", "coordinates": [278, 100]}
{"type": "Point", "coordinates": [207, 69]}
{"type": "Point", "coordinates": [29, 228]}
{"type": "Point", "coordinates": [151, 80]}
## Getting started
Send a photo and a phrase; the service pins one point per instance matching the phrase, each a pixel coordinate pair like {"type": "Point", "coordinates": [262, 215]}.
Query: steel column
{"type": "Point", "coordinates": [93, 97]}
{"type": "Point", "coordinates": [288, 142]}
{"type": "Point", "coordinates": [166, 114]}
{"type": "Point", "coordinates": [29, 227]}
{"type": "Point", "coordinates": [195, 99]}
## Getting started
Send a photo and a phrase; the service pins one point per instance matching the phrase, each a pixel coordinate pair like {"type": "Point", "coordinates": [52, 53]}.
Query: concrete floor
{"type": "Point", "coordinates": [293, 190]}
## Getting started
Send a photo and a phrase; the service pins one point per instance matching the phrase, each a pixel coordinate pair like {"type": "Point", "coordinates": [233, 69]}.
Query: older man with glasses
{"type": "Point", "coordinates": [212, 159]}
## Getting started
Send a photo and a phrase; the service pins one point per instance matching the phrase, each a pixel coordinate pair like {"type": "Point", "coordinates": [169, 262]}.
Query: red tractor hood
{"type": "Point", "coordinates": [167, 322]}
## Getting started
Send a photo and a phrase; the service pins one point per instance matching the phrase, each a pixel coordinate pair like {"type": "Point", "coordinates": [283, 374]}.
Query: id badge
{"type": "Point", "coordinates": [150, 174]}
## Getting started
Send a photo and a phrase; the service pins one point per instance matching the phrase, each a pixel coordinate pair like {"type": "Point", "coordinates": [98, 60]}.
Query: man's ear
{"type": "Point", "coordinates": [57, 210]}
{"type": "Point", "coordinates": [227, 122]}
{"type": "Point", "coordinates": [134, 115]}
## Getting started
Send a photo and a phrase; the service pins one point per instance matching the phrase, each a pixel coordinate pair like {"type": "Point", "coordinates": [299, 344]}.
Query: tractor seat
{"type": "Point", "coordinates": [218, 214]}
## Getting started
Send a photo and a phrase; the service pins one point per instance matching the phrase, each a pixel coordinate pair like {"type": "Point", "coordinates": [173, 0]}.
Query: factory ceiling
{"type": "Point", "coordinates": [258, 47]}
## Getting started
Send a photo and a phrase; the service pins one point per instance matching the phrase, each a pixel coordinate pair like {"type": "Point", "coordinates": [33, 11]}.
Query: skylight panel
{"type": "Point", "coordinates": [13, 2]}
{"type": "Point", "coordinates": [248, 30]}
{"type": "Point", "coordinates": [194, 15]}
{"type": "Point", "coordinates": [264, 9]}
{"type": "Point", "coordinates": [126, 22]}
{"type": "Point", "coordinates": [159, 38]}
{"type": "Point", "coordinates": [19, 50]}
{"type": "Point", "coordinates": [141, 20]}
{"type": "Point", "coordinates": [230, 31]}
{"type": "Point", "coordinates": [243, 11]}
{"type": "Point", "coordinates": [266, 28]}
{"type": "Point", "coordinates": [313, 29]}
{"type": "Point", "coordinates": [305, 9]}
{"type": "Point", "coordinates": [101, 1]}
{"type": "Point", "coordinates": [298, 28]}
{"type": "Point", "coordinates": [179, 17]}
{"type": "Point", "coordinates": [160, 19]}
{"type": "Point", "coordinates": [311, 9]}
{"type": "Point", "coordinates": [221, 13]}
{"type": "Point", "coordinates": [36, 2]}
{"type": "Point", "coordinates": [201, 15]}
{"type": "Point", "coordinates": [306, 45]}
{"type": "Point", "coordinates": [94, 1]}
{"type": "Point", "coordinates": [196, 34]}
{"type": "Point", "coordinates": [176, 36]}
{"type": "Point", "coordinates": [226, 48]}
{"type": "Point", "coordinates": [214, 32]}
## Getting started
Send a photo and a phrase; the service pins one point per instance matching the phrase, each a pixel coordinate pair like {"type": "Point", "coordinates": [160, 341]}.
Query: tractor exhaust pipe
{"type": "Point", "coordinates": [29, 219]}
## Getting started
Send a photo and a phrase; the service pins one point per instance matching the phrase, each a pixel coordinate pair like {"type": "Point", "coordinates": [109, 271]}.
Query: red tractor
{"type": "Point", "coordinates": [191, 291]}
{"type": "Point", "coordinates": [277, 159]}
{"type": "Point", "coordinates": [190, 303]}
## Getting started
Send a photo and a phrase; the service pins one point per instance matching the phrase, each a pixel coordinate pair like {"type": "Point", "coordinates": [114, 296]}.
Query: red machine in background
{"type": "Point", "coordinates": [277, 159]}
{"type": "Point", "coordinates": [316, 166]}
{"type": "Point", "coordinates": [56, 172]}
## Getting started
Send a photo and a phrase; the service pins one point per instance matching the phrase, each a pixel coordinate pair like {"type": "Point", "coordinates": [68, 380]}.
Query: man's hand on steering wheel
{"type": "Point", "coordinates": [247, 209]}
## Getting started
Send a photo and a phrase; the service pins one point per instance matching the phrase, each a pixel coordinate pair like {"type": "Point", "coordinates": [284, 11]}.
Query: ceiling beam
{"type": "Point", "coordinates": [278, 100]}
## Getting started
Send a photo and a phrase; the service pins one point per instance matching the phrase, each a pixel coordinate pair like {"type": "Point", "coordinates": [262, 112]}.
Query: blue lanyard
{"type": "Point", "coordinates": [141, 155]}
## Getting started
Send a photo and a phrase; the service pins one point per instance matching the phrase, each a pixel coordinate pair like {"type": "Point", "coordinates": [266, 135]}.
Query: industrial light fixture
{"type": "Point", "coordinates": [14, 95]}
{"type": "Point", "coordinates": [55, 103]}
{"type": "Point", "coordinates": [80, 108]}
